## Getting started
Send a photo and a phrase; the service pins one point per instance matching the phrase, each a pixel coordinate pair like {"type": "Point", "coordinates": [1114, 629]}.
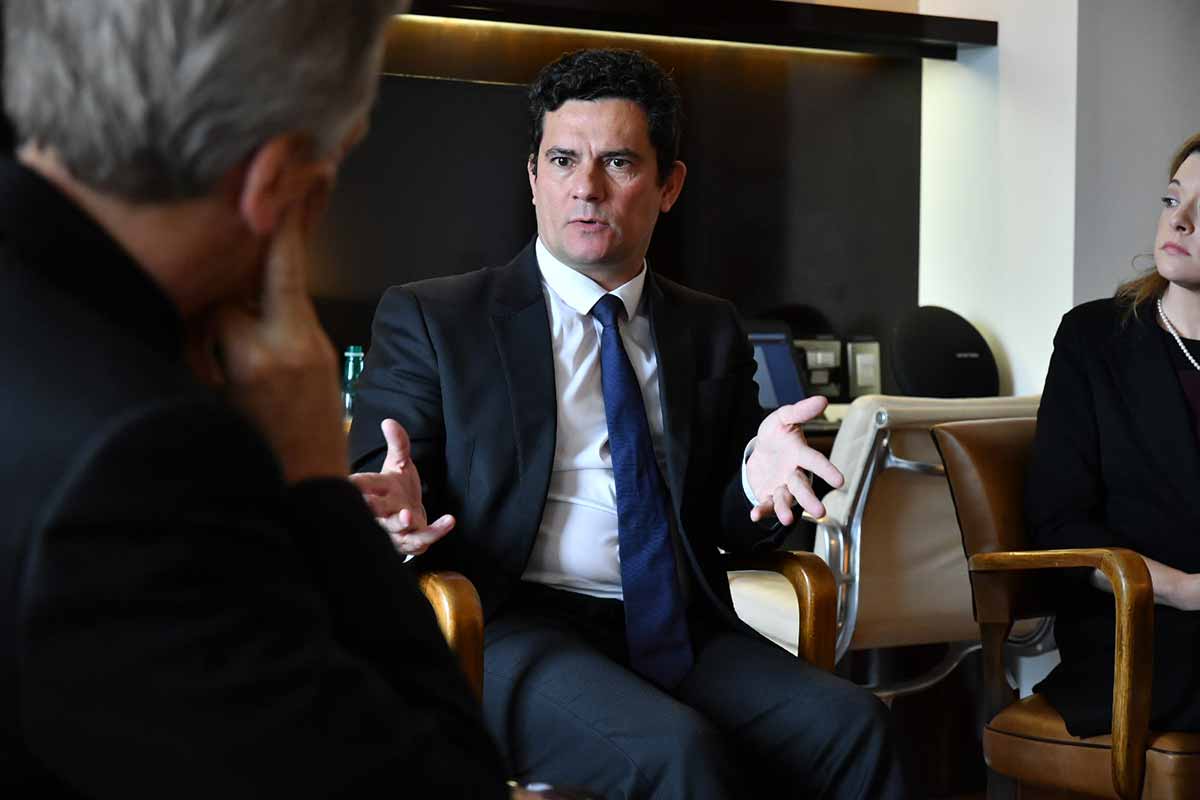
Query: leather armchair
{"type": "Point", "coordinates": [890, 537]}
{"type": "Point", "coordinates": [816, 598]}
{"type": "Point", "coordinates": [1025, 742]}
{"type": "Point", "coordinates": [460, 616]}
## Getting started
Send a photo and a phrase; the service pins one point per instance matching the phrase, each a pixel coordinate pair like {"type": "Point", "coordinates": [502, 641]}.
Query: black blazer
{"type": "Point", "coordinates": [176, 620]}
{"type": "Point", "coordinates": [1115, 464]}
{"type": "Point", "coordinates": [465, 364]}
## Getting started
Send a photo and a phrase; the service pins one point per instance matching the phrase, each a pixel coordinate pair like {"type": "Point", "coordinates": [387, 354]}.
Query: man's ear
{"type": "Point", "coordinates": [672, 186]}
{"type": "Point", "coordinates": [282, 172]}
{"type": "Point", "coordinates": [531, 168]}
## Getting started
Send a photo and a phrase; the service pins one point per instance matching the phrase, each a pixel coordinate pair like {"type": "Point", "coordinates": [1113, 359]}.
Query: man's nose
{"type": "Point", "coordinates": [588, 185]}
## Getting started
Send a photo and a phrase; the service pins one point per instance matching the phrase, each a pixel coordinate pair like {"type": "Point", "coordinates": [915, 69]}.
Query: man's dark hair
{"type": "Point", "coordinates": [610, 74]}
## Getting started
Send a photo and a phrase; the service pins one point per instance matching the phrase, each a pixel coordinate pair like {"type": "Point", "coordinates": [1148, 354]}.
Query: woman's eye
{"type": "Point", "coordinates": [1169, 202]}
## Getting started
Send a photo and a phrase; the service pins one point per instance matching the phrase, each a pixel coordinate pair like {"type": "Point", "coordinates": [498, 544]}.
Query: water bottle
{"type": "Point", "coordinates": [352, 366]}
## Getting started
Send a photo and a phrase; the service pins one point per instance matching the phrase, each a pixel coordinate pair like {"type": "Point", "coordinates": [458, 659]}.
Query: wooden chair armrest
{"type": "Point", "coordinates": [1133, 594]}
{"type": "Point", "coordinates": [460, 616]}
{"type": "Point", "coordinates": [816, 594]}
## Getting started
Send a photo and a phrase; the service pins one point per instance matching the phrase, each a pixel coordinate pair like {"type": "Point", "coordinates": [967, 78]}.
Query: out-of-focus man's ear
{"type": "Point", "coordinates": [672, 186]}
{"type": "Point", "coordinates": [353, 137]}
{"type": "Point", "coordinates": [282, 172]}
{"type": "Point", "coordinates": [531, 171]}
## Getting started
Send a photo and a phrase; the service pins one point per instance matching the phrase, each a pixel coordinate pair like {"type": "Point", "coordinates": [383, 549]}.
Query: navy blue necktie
{"type": "Point", "coordinates": [655, 622]}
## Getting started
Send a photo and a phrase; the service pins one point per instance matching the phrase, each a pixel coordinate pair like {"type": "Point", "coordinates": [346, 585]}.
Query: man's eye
{"type": "Point", "coordinates": [1169, 202]}
{"type": "Point", "coordinates": [618, 163]}
{"type": "Point", "coordinates": [560, 161]}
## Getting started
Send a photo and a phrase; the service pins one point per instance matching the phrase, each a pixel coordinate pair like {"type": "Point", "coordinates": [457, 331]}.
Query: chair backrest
{"type": "Point", "coordinates": [890, 533]}
{"type": "Point", "coordinates": [986, 466]}
{"type": "Point", "coordinates": [986, 463]}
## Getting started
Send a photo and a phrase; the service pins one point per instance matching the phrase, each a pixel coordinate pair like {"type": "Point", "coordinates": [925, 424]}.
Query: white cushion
{"type": "Point", "coordinates": [766, 602]}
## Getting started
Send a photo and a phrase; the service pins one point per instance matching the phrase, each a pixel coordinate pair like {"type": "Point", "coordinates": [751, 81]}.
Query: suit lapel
{"type": "Point", "coordinates": [676, 379]}
{"type": "Point", "coordinates": [1139, 360]}
{"type": "Point", "coordinates": [522, 329]}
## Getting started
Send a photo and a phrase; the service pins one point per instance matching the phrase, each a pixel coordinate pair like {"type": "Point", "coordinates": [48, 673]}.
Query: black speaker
{"type": "Point", "coordinates": [937, 353]}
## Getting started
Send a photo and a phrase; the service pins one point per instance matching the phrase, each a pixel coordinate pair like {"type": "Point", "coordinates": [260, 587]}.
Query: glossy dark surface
{"type": "Point", "coordinates": [755, 21]}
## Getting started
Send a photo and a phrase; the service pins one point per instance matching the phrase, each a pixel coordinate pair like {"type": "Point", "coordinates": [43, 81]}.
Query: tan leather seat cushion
{"type": "Point", "coordinates": [767, 602]}
{"type": "Point", "coordinates": [1029, 741]}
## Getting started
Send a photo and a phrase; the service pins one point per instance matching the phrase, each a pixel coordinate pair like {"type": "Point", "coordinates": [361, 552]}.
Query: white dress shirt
{"type": "Point", "coordinates": [577, 546]}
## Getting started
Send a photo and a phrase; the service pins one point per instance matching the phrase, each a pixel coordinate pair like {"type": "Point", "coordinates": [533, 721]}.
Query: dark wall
{"type": "Point", "coordinates": [802, 193]}
{"type": "Point", "coordinates": [6, 132]}
{"type": "Point", "coordinates": [437, 188]}
{"type": "Point", "coordinates": [803, 189]}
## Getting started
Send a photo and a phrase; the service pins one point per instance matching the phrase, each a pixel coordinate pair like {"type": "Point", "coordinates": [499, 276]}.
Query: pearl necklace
{"type": "Point", "coordinates": [1171, 330]}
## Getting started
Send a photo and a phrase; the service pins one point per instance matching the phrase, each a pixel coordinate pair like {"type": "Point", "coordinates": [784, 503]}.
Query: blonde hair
{"type": "Point", "coordinates": [1150, 285]}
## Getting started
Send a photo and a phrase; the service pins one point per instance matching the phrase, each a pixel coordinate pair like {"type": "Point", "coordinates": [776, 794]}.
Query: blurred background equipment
{"type": "Point", "coordinates": [937, 353]}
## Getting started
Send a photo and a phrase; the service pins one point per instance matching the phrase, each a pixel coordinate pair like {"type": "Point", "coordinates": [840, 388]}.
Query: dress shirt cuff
{"type": "Point", "coordinates": [770, 523]}
{"type": "Point", "coordinates": [746, 472]}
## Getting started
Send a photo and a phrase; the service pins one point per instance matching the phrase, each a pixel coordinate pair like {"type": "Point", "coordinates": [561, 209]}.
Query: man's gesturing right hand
{"type": "Point", "coordinates": [279, 366]}
{"type": "Point", "coordinates": [394, 495]}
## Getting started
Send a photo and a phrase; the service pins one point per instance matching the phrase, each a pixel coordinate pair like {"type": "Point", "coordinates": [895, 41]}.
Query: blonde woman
{"type": "Point", "coordinates": [1117, 463]}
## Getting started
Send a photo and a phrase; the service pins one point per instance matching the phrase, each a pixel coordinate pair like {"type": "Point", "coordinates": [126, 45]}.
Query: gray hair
{"type": "Point", "coordinates": [155, 100]}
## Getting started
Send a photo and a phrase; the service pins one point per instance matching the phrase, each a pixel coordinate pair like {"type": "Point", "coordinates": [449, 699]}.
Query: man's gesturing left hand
{"type": "Point", "coordinates": [781, 458]}
{"type": "Point", "coordinates": [394, 495]}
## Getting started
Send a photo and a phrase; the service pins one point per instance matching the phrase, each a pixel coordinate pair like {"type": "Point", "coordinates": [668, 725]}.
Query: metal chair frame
{"type": "Point", "coordinates": [844, 551]}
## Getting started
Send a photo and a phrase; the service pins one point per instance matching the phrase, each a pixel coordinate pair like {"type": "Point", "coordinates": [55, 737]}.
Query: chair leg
{"type": "Point", "coordinates": [1000, 787]}
{"type": "Point", "coordinates": [997, 694]}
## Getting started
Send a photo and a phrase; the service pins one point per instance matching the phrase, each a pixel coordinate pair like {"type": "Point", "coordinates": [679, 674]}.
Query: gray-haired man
{"type": "Point", "coordinates": [196, 603]}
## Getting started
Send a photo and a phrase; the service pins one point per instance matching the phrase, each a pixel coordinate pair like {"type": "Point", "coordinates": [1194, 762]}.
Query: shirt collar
{"type": "Point", "coordinates": [581, 292]}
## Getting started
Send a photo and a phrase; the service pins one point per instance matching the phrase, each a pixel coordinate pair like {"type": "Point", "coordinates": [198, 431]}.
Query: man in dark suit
{"type": "Point", "coordinates": [197, 603]}
{"type": "Point", "coordinates": [588, 426]}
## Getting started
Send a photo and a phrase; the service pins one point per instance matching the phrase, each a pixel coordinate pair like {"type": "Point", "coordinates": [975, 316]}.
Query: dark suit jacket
{"type": "Point", "coordinates": [176, 620]}
{"type": "Point", "coordinates": [465, 364]}
{"type": "Point", "coordinates": [1115, 464]}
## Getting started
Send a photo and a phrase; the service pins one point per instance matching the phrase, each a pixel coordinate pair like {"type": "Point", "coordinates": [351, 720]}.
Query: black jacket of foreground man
{"type": "Point", "coordinates": [176, 620]}
{"type": "Point", "coordinates": [465, 364]}
{"type": "Point", "coordinates": [1115, 464]}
